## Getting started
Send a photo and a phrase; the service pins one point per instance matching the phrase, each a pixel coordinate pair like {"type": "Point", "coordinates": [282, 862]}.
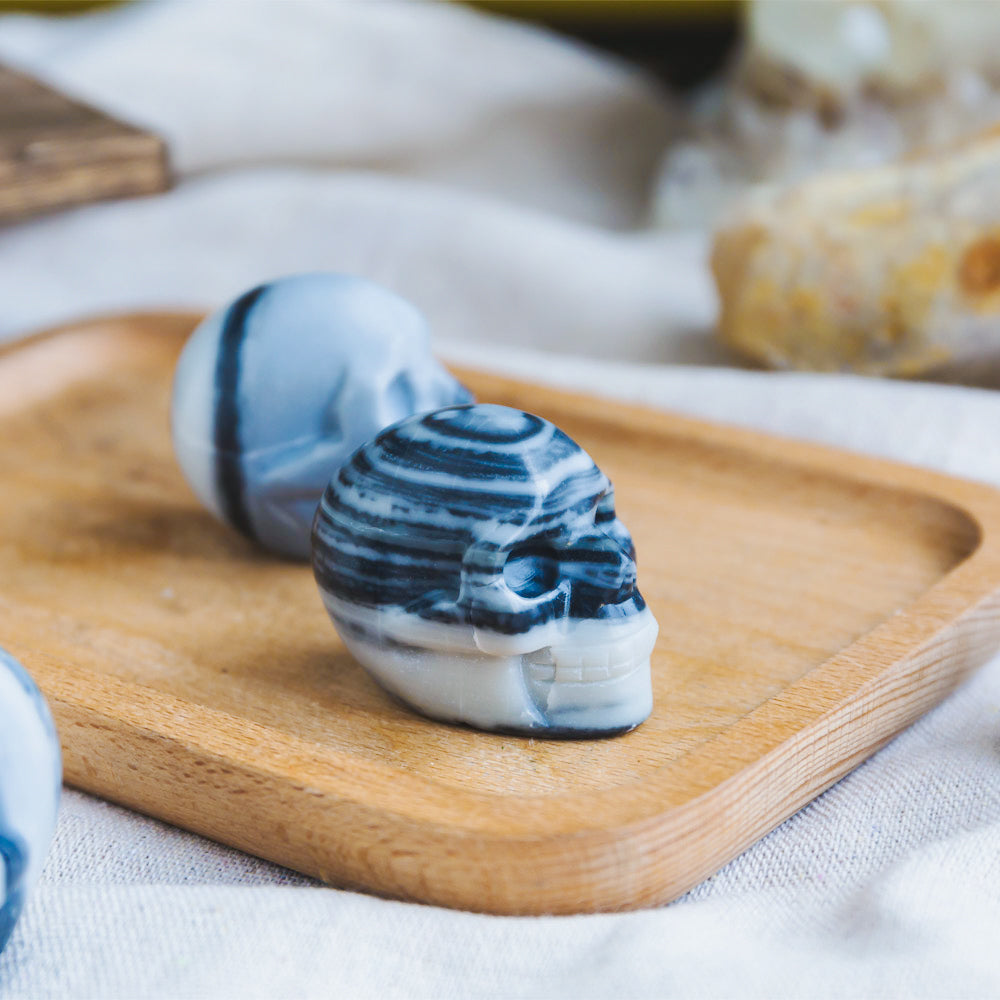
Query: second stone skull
{"type": "Point", "coordinates": [472, 560]}
{"type": "Point", "coordinates": [273, 393]}
{"type": "Point", "coordinates": [30, 782]}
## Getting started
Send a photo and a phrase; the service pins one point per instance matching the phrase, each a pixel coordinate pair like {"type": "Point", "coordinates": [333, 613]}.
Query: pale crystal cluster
{"type": "Point", "coordinates": [833, 85]}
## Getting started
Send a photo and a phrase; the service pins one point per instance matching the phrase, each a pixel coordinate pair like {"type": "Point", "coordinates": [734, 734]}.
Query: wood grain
{"type": "Point", "coordinates": [56, 152]}
{"type": "Point", "coordinates": [811, 603]}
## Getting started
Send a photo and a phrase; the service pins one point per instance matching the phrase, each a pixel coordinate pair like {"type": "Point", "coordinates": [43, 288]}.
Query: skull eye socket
{"type": "Point", "coordinates": [604, 512]}
{"type": "Point", "coordinates": [531, 570]}
{"type": "Point", "coordinates": [331, 428]}
{"type": "Point", "coordinates": [401, 395]}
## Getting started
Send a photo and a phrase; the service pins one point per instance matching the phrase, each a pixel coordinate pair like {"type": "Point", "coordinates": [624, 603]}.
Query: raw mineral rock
{"type": "Point", "coordinates": [828, 54]}
{"type": "Point", "coordinates": [833, 85]}
{"type": "Point", "coordinates": [891, 270]}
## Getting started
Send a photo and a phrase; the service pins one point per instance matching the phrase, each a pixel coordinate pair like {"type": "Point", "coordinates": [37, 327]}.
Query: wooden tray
{"type": "Point", "coordinates": [812, 604]}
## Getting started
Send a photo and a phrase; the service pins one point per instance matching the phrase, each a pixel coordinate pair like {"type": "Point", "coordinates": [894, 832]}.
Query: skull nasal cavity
{"type": "Point", "coordinates": [531, 570]}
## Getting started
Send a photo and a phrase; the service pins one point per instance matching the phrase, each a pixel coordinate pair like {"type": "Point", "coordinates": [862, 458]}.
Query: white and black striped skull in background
{"type": "Point", "coordinates": [274, 392]}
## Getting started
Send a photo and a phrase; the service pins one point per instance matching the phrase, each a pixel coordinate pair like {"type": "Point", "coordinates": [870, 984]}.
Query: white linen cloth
{"type": "Point", "coordinates": [495, 175]}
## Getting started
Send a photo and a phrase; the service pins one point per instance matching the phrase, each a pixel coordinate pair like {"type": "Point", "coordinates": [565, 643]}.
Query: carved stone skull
{"type": "Point", "coordinates": [272, 394]}
{"type": "Point", "coordinates": [30, 782]}
{"type": "Point", "coordinates": [472, 561]}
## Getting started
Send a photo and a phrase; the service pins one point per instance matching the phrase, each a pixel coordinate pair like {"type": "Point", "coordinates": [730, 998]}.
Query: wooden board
{"type": "Point", "coordinates": [812, 604]}
{"type": "Point", "coordinates": [56, 152]}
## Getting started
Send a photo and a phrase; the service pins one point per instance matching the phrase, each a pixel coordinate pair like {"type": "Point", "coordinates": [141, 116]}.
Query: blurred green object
{"type": "Point", "coordinates": [52, 6]}
{"type": "Point", "coordinates": [682, 41]}
{"type": "Point", "coordinates": [548, 11]}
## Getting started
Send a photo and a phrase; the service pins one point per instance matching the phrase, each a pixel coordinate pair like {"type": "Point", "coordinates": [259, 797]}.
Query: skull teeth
{"type": "Point", "coordinates": [542, 671]}
{"type": "Point", "coordinates": [590, 664]}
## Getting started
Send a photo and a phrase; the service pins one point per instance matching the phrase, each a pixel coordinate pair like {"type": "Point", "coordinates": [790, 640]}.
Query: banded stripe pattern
{"type": "Point", "coordinates": [30, 783]}
{"type": "Point", "coordinates": [13, 863]}
{"type": "Point", "coordinates": [229, 477]}
{"type": "Point", "coordinates": [475, 515]}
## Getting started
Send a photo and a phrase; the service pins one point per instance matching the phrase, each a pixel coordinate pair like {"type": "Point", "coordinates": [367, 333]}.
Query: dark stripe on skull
{"type": "Point", "coordinates": [14, 858]}
{"type": "Point", "coordinates": [463, 423]}
{"type": "Point", "coordinates": [229, 478]}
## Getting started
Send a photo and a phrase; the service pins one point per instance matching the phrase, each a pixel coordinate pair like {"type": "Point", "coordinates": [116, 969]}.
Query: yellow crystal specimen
{"type": "Point", "coordinates": [889, 270]}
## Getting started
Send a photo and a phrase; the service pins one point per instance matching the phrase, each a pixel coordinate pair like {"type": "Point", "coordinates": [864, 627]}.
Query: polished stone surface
{"type": "Point", "coordinates": [472, 560]}
{"type": "Point", "coordinates": [30, 782]}
{"type": "Point", "coordinates": [273, 394]}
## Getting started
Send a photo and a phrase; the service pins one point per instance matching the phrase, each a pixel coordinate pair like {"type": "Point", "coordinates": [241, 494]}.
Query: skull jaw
{"type": "Point", "coordinates": [523, 694]}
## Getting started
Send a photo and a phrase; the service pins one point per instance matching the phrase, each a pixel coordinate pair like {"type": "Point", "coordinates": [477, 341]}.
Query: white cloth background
{"type": "Point", "coordinates": [498, 177]}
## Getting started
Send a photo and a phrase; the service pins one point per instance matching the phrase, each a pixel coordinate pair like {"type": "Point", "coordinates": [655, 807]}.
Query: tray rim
{"type": "Point", "coordinates": [631, 818]}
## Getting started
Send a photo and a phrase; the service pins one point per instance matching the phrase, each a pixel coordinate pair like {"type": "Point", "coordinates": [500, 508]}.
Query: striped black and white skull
{"type": "Point", "coordinates": [472, 561]}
